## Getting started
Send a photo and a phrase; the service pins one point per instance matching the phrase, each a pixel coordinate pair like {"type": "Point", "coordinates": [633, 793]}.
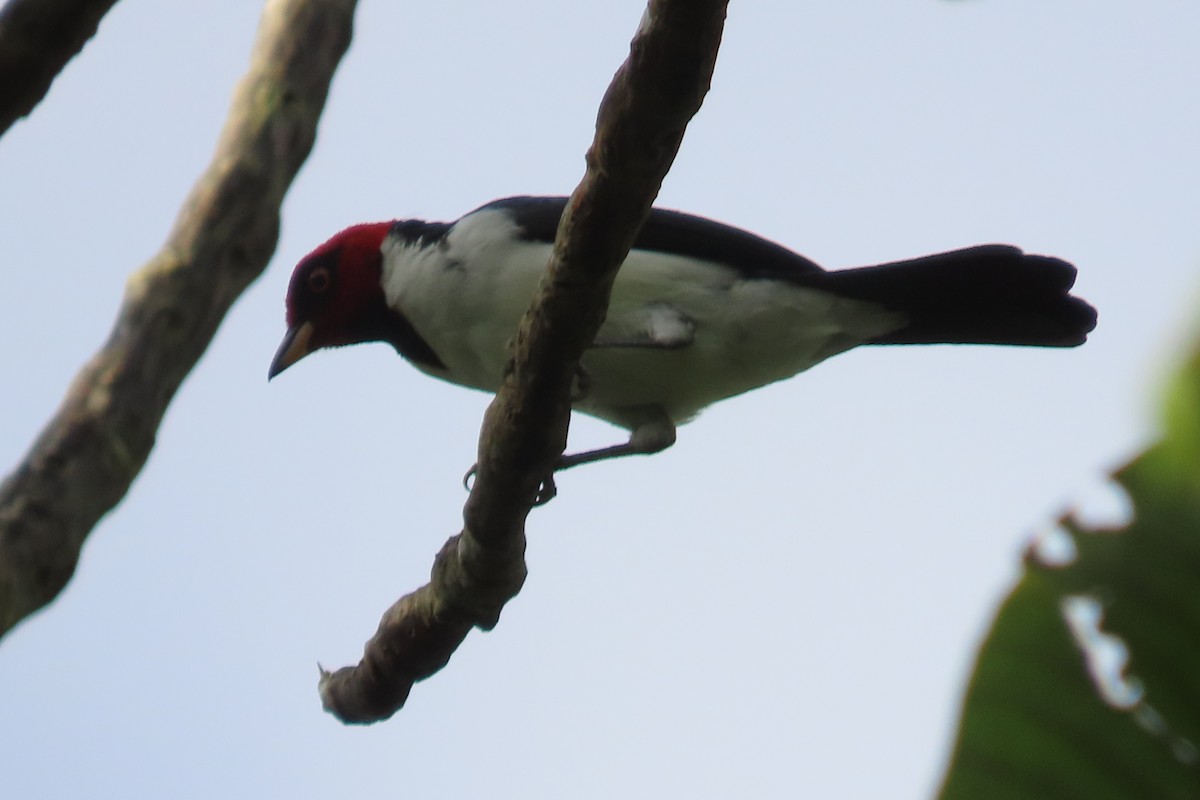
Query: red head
{"type": "Point", "coordinates": [335, 297]}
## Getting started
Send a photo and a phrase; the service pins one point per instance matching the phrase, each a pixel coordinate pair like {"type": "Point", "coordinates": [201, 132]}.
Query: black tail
{"type": "Point", "coordinates": [992, 294]}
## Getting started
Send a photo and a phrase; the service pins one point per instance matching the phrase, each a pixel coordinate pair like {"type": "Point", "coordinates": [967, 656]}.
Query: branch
{"type": "Point", "coordinates": [37, 39]}
{"type": "Point", "coordinates": [85, 459]}
{"type": "Point", "coordinates": [639, 127]}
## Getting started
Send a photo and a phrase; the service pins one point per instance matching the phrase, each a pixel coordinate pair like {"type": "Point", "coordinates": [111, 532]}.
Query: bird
{"type": "Point", "coordinates": [700, 311]}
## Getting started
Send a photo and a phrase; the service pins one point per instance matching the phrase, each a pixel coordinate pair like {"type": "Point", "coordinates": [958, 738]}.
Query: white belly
{"type": "Point", "coordinates": [745, 333]}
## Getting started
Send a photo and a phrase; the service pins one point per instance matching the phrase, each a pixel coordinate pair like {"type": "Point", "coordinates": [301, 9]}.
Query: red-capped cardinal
{"type": "Point", "coordinates": [700, 311]}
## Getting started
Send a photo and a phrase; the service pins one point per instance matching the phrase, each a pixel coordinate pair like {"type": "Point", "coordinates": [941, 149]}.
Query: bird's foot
{"type": "Point", "coordinates": [547, 490]}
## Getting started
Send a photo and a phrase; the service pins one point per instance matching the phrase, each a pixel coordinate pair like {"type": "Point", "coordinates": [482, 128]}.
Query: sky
{"type": "Point", "coordinates": [784, 604]}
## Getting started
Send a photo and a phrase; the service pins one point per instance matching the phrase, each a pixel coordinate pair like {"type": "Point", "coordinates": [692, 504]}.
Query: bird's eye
{"type": "Point", "coordinates": [318, 280]}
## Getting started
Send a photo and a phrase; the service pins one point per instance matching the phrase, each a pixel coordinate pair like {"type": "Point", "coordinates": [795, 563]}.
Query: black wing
{"type": "Point", "coordinates": [990, 294]}
{"type": "Point", "coordinates": [676, 233]}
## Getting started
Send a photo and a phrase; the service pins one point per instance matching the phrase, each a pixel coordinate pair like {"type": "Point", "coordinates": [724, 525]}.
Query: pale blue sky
{"type": "Point", "coordinates": [785, 604]}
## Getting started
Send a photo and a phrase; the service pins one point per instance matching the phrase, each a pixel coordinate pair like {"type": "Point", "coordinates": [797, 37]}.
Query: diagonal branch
{"type": "Point", "coordinates": [37, 39]}
{"type": "Point", "coordinates": [640, 125]}
{"type": "Point", "coordinates": [89, 453]}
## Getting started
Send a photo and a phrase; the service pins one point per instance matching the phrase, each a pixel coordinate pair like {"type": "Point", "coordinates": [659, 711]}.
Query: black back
{"type": "Point", "coordinates": [676, 233]}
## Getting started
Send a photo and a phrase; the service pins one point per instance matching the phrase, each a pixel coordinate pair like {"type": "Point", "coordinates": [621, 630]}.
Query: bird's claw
{"type": "Point", "coordinates": [546, 489]}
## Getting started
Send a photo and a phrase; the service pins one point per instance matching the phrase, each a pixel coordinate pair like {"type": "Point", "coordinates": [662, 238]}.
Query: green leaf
{"type": "Point", "coordinates": [1088, 684]}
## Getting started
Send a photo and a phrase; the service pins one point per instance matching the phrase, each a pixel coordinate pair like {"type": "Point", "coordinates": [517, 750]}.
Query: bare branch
{"type": "Point", "coordinates": [85, 459]}
{"type": "Point", "coordinates": [640, 125]}
{"type": "Point", "coordinates": [37, 39]}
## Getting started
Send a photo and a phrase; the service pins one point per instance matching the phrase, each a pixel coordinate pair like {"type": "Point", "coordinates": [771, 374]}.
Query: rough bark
{"type": "Point", "coordinates": [37, 39]}
{"type": "Point", "coordinates": [91, 450]}
{"type": "Point", "coordinates": [639, 127]}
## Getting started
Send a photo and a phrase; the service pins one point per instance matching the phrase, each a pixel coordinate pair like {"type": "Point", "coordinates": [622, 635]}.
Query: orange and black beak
{"type": "Point", "coordinates": [295, 346]}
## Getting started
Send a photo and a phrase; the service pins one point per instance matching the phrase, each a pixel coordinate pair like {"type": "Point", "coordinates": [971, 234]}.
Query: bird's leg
{"type": "Point", "coordinates": [652, 430]}
{"type": "Point", "coordinates": [655, 433]}
{"type": "Point", "coordinates": [656, 326]}
{"type": "Point", "coordinates": [546, 492]}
